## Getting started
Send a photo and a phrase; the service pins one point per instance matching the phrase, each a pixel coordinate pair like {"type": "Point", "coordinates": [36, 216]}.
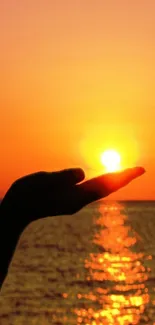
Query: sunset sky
{"type": "Point", "coordinates": [77, 77]}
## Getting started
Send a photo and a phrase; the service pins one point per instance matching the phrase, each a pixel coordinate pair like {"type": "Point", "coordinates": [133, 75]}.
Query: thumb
{"type": "Point", "coordinates": [69, 177]}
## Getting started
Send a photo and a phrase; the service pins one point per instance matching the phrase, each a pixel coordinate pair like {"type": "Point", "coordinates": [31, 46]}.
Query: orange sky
{"type": "Point", "coordinates": [77, 77]}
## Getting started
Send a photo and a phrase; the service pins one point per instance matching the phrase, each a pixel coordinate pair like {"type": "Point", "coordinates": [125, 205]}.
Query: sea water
{"type": "Point", "coordinates": [95, 267]}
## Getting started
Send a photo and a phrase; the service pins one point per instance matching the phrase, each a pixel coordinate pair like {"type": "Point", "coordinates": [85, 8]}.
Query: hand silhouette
{"type": "Point", "coordinates": [50, 194]}
{"type": "Point", "coordinates": [59, 193]}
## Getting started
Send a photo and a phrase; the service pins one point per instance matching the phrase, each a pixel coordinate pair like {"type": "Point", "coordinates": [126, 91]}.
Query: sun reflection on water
{"type": "Point", "coordinates": [119, 293]}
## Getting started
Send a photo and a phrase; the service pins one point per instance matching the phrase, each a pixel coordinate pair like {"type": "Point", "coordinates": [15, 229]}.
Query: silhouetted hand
{"type": "Point", "coordinates": [49, 194]}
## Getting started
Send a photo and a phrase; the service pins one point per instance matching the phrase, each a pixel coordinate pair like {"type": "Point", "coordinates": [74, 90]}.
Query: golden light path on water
{"type": "Point", "coordinates": [119, 294]}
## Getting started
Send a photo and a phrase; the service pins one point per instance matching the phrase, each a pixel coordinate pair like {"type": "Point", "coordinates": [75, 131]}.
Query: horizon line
{"type": "Point", "coordinates": [119, 200]}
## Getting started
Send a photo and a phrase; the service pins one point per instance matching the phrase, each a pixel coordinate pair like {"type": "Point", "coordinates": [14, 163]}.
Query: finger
{"type": "Point", "coordinates": [69, 177]}
{"type": "Point", "coordinates": [101, 186]}
{"type": "Point", "coordinates": [45, 180]}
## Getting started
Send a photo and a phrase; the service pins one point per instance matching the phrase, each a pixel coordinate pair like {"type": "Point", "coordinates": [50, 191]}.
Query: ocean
{"type": "Point", "coordinates": [95, 267]}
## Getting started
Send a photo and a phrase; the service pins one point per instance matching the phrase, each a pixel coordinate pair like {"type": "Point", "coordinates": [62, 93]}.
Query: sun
{"type": "Point", "coordinates": [111, 160]}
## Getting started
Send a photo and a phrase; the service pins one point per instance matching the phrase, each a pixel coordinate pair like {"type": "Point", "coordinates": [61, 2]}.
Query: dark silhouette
{"type": "Point", "coordinates": [50, 194]}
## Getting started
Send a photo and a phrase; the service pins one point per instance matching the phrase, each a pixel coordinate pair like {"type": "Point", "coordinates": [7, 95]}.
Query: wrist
{"type": "Point", "coordinates": [10, 231]}
{"type": "Point", "coordinates": [10, 214]}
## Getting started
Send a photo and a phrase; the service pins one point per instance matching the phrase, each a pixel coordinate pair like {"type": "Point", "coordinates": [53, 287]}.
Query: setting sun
{"type": "Point", "coordinates": [111, 160]}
